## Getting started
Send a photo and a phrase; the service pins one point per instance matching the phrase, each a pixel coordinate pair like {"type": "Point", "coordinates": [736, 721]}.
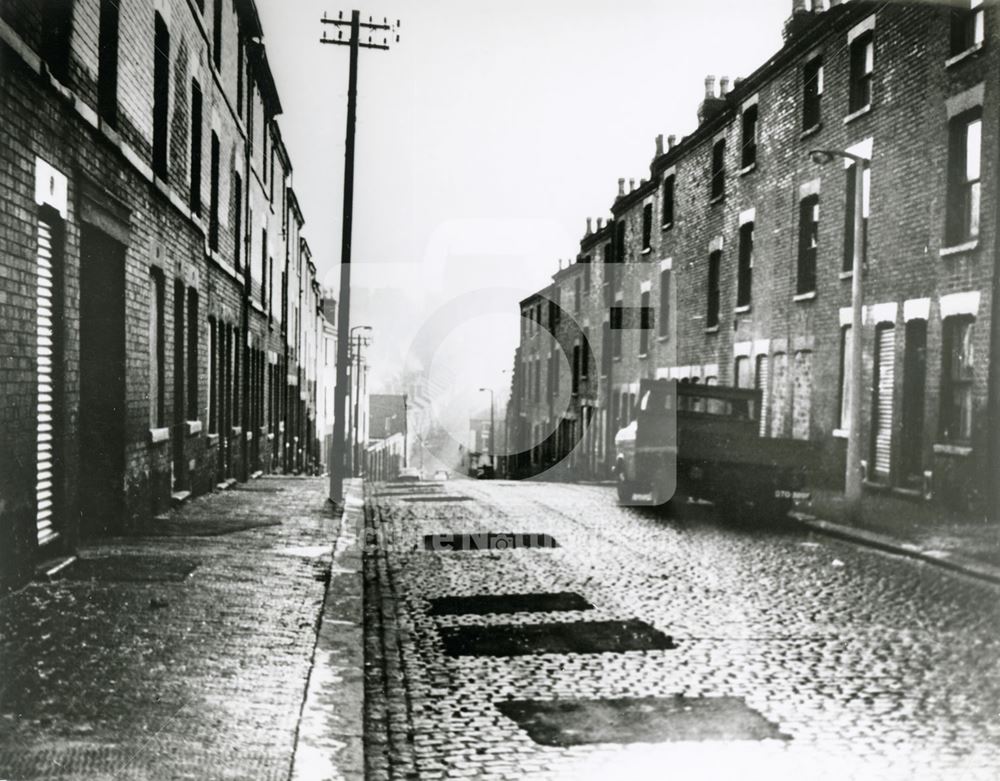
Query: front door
{"type": "Point", "coordinates": [102, 381]}
{"type": "Point", "coordinates": [885, 354]}
{"type": "Point", "coordinates": [914, 380]}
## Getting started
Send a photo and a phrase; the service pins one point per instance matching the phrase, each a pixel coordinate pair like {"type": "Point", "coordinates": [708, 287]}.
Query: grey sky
{"type": "Point", "coordinates": [485, 139]}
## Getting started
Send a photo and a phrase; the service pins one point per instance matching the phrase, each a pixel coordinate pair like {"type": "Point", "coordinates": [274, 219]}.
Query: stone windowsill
{"type": "Point", "coordinates": [212, 440]}
{"type": "Point", "coordinates": [712, 329]}
{"type": "Point", "coordinates": [158, 435]}
{"type": "Point", "coordinates": [193, 427]}
{"type": "Point", "coordinates": [840, 433]}
{"type": "Point", "coordinates": [236, 431]}
{"type": "Point", "coordinates": [667, 226]}
{"type": "Point", "coordinates": [810, 296]}
{"type": "Point", "coordinates": [645, 251]}
{"type": "Point", "coordinates": [810, 131]}
{"type": "Point", "coordinates": [945, 449]}
{"type": "Point", "coordinates": [749, 168]}
{"type": "Point", "coordinates": [859, 113]}
{"type": "Point", "coordinates": [958, 249]}
{"type": "Point", "coordinates": [742, 310]}
{"type": "Point", "coordinates": [717, 199]}
{"type": "Point", "coordinates": [961, 56]}
{"type": "Point", "coordinates": [846, 274]}
{"type": "Point", "coordinates": [270, 437]}
{"type": "Point", "coordinates": [662, 337]}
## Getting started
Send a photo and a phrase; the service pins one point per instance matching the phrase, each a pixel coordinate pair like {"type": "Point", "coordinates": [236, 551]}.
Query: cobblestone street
{"type": "Point", "coordinates": [838, 661]}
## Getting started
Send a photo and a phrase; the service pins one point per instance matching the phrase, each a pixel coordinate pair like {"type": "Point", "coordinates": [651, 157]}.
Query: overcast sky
{"type": "Point", "coordinates": [485, 138]}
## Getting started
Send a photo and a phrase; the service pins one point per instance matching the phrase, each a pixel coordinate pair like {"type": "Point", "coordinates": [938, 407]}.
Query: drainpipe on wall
{"type": "Point", "coordinates": [247, 245]}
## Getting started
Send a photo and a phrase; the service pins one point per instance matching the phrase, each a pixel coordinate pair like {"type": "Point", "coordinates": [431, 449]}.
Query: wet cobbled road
{"type": "Point", "coordinates": [642, 646]}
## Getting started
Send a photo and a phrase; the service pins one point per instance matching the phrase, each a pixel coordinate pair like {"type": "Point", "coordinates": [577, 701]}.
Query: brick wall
{"type": "Point", "coordinates": [907, 125]}
{"type": "Point", "coordinates": [110, 189]}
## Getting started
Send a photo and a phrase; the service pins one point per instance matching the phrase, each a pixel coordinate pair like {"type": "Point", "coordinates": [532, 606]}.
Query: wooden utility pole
{"type": "Point", "coordinates": [344, 313]}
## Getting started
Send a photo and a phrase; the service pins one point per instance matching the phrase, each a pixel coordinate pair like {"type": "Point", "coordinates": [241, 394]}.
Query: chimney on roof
{"type": "Point", "coordinates": [600, 223]}
{"type": "Point", "coordinates": [723, 86]}
{"type": "Point", "coordinates": [711, 105]}
{"type": "Point", "coordinates": [659, 145]}
{"type": "Point", "coordinates": [589, 229]}
{"type": "Point", "coordinates": [671, 141]}
{"type": "Point", "coordinates": [631, 184]}
{"type": "Point", "coordinates": [801, 17]}
{"type": "Point", "coordinates": [621, 186]}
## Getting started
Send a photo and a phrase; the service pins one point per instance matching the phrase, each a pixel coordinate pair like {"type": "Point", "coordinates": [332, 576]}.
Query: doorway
{"type": "Point", "coordinates": [179, 432]}
{"type": "Point", "coordinates": [914, 381]}
{"type": "Point", "coordinates": [102, 382]}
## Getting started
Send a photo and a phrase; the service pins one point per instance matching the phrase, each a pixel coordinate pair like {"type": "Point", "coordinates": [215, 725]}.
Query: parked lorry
{"type": "Point", "coordinates": [706, 442]}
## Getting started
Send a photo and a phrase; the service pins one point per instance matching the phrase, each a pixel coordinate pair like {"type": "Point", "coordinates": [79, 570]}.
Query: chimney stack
{"type": "Point", "coordinates": [798, 6]}
{"type": "Point", "coordinates": [589, 231]}
{"type": "Point", "coordinates": [659, 145]}
{"type": "Point", "coordinates": [671, 141]}
{"type": "Point", "coordinates": [621, 186]}
{"type": "Point", "coordinates": [723, 86]}
{"type": "Point", "coordinates": [631, 184]}
{"type": "Point", "coordinates": [600, 223]}
{"type": "Point", "coordinates": [711, 105]}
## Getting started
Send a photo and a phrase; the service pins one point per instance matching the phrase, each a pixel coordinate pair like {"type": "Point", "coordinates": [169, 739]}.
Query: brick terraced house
{"type": "Point", "coordinates": [160, 311]}
{"type": "Point", "coordinates": [732, 262]}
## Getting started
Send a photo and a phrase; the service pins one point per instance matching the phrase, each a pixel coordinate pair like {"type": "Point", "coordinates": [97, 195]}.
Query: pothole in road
{"type": "Point", "coordinates": [487, 541]}
{"type": "Point", "coordinates": [483, 604]}
{"type": "Point", "coordinates": [639, 720]}
{"type": "Point", "coordinates": [578, 637]}
{"type": "Point", "coordinates": [131, 569]}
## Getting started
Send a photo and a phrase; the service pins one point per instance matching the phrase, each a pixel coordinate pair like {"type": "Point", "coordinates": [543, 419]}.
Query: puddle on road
{"type": "Point", "coordinates": [578, 637]}
{"type": "Point", "coordinates": [305, 551]}
{"type": "Point", "coordinates": [570, 722]}
{"type": "Point", "coordinates": [483, 604]}
{"type": "Point", "coordinates": [487, 541]}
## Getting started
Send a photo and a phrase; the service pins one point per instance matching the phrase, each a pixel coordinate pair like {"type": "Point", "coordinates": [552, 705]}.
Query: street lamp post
{"type": "Point", "coordinates": [354, 466]}
{"type": "Point", "coordinates": [493, 441]}
{"type": "Point", "coordinates": [852, 477]}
